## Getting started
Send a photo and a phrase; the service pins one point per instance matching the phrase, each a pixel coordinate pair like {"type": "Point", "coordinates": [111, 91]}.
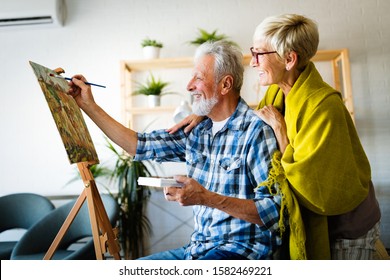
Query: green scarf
{"type": "Point", "coordinates": [325, 167]}
{"type": "Point", "coordinates": [290, 207]}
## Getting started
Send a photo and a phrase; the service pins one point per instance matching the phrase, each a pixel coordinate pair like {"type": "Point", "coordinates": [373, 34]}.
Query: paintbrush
{"type": "Point", "coordinates": [70, 79]}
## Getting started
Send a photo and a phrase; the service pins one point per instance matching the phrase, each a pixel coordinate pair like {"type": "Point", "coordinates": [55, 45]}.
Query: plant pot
{"type": "Point", "coordinates": [154, 100]}
{"type": "Point", "coordinates": [151, 52]}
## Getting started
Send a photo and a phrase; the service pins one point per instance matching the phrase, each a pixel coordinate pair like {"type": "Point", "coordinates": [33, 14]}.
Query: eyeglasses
{"type": "Point", "coordinates": [257, 54]}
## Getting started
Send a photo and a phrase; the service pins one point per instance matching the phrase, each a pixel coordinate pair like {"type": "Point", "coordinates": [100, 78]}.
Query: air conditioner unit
{"type": "Point", "coordinates": [23, 13]}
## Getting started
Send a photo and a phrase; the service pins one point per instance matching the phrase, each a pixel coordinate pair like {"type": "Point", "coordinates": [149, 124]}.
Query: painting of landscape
{"type": "Point", "coordinates": [67, 116]}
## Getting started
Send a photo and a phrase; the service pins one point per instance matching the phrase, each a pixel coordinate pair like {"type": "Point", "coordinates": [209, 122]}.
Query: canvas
{"type": "Point", "coordinates": [67, 116]}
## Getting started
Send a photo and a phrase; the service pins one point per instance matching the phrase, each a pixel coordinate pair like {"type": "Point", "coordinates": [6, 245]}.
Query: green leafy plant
{"type": "Point", "coordinates": [152, 86]}
{"type": "Point", "coordinates": [204, 36]}
{"type": "Point", "coordinates": [132, 198]}
{"type": "Point", "coordinates": [149, 42]}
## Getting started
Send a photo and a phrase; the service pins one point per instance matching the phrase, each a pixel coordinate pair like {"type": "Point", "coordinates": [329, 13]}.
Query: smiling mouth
{"type": "Point", "coordinates": [196, 95]}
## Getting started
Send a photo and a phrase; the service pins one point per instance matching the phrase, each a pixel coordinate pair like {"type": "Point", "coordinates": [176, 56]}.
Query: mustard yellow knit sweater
{"type": "Point", "coordinates": [324, 169]}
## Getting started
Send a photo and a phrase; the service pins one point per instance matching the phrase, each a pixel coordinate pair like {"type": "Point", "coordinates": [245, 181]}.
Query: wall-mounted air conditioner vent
{"type": "Point", "coordinates": [19, 13]}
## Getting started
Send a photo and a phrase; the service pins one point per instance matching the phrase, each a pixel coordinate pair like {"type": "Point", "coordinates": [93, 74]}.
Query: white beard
{"type": "Point", "coordinates": [203, 107]}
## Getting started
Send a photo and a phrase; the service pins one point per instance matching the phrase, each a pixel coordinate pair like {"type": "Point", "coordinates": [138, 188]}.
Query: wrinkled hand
{"type": "Point", "coordinates": [191, 193]}
{"type": "Point", "coordinates": [80, 91]}
{"type": "Point", "coordinates": [189, 123]}
{"type": "Point", "coordinates": [270, 115]}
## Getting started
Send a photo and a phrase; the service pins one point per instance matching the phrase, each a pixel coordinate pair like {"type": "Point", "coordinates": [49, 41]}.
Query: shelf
{"type": "Point", "coordinates": [161, 63]}
{"type": "Point", "coordinates": [338, 58]}
{"type": "Point", "coordinates": [159, 109]}
{"type": "Point", "coordinates": [143, 110]}
{"type": "Point", "coordinates": [186, 62]}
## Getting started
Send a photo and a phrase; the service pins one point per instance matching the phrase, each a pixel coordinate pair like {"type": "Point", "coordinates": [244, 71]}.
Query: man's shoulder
{"type": "Point", "coordinates": [248, 119]}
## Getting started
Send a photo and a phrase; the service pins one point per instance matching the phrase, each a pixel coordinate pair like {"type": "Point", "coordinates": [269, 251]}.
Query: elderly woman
{"type": "Point", "coordinates": [326, 169]}
{"type": "Point", "coordinates": [324, 175]}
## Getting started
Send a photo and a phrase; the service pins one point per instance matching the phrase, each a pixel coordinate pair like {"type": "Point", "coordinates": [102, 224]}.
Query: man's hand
{"type": "Point", "coordinates": [81, 92]}
{"type": "Point", "coordinates": [192, 193]}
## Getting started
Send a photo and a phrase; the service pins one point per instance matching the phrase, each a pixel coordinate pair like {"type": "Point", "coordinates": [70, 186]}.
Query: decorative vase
{"type": "Point", "coordinates": [154, 100]}
{"type": "Point", "coordinates": [151, 52]}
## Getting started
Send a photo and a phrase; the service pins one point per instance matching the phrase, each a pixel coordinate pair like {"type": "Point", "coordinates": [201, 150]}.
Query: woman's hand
{"type": "Point", "coordinates": [189, 123]}
{"type": "Point", "coordinates": [270, 115]}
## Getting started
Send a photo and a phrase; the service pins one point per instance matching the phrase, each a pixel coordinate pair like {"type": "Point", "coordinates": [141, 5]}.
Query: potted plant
{"type": "Point", "coordinates": [204, 36]}
{"type": "Point", "coordinates": [151, 48]}
{"type": "Point", "coordinates": [154, 89]}
{"type": "Point", "coordinates": [132, 198]}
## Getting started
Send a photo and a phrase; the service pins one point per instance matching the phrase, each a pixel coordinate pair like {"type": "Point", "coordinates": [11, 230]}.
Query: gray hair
{"type": "Point", "coordinates": [228, 60]}
{"type": "Point", "coordinates": [290, 32]}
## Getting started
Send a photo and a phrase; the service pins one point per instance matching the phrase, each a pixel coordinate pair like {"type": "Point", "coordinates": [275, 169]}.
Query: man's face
{"type": "Point", "coordinates": [202, 86]}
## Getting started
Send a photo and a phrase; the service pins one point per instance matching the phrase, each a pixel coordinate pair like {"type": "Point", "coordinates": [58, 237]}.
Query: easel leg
{"type": "Point", "coordinates": [99, 220]}
{"type": "Point", "coordinates": [108, 234]}
{"type": "Point", "coordinates": [94, 223]}
{"type": "Point", "coordinates": [104, 235]}
{"type": "Point", "coordinates": [65, 226]}
{"type": "Point", "coordinates": [106, 238]}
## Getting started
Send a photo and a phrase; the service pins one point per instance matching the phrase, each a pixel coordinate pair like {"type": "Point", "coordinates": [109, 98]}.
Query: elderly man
{"type": "Point", "coordinates": [227, 156]}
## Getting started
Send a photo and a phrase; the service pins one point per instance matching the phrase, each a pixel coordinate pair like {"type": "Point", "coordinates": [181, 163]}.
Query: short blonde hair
{"type": "Point", "coordinates": [290, 32]}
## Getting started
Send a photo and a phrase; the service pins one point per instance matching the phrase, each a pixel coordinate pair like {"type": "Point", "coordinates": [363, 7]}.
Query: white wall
{"type": "Point", "coordinates": [100, 33]}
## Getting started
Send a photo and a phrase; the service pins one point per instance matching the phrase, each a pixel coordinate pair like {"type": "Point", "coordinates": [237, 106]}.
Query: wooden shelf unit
{"type": "Point", "coordinates": [339, 60]}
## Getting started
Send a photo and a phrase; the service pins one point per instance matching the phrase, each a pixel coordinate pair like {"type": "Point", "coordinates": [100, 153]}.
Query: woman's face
{"type": "Point", "coordinates": [270, 67]}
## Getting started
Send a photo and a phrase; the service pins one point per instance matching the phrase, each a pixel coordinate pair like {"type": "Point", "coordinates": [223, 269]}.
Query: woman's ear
{"type": "Point", "coordinates": [227, 84]}
{"type": "Point", "coordinates": [291, 60]}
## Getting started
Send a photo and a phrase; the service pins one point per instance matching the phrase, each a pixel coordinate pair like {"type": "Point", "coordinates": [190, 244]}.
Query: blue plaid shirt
{"type": "Point", "coordinates": [232, 163]}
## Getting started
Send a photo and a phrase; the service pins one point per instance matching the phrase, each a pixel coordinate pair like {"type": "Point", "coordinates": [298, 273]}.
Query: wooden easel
{"type": "Point", "coordinates": [104, 236]}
